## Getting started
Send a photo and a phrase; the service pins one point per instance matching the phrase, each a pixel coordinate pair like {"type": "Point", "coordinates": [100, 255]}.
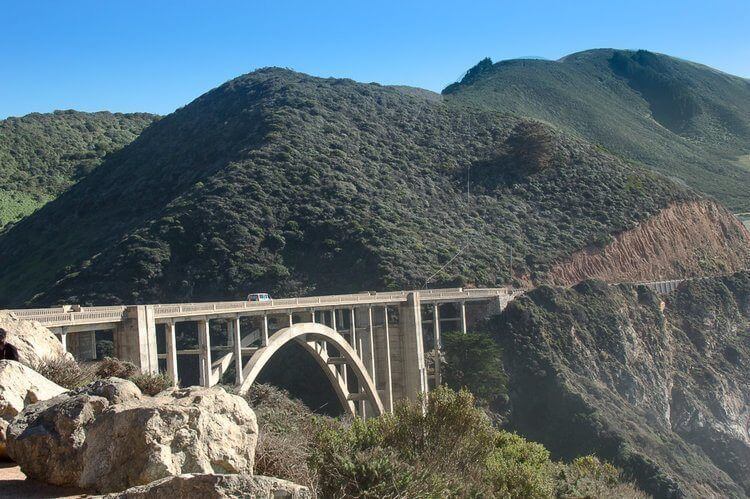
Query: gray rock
{"type": "Point", "coordinates": [20, 386]}
{"type": "Point", "coordinates": [107, 436]}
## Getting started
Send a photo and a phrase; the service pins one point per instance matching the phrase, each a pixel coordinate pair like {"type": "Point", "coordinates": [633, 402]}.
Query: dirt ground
{"type": "Point", "coordinates": [13, 483]}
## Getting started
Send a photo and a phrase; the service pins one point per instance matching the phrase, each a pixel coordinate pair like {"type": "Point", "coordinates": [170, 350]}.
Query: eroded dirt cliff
{"type": "Point", "coordinates": [657, 385]}
{"type": "Point", "coordinates": [695, 238]}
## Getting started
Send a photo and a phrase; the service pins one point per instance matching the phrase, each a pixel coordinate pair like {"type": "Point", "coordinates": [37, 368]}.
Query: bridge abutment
{"type": "Point", "coordinates": [135, 338]}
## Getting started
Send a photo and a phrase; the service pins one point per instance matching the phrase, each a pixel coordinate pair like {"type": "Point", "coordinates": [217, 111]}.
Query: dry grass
{"type": "Point", "coordinates": [285, 436]}
{"type": "Point", "coordinates": [66, 372]}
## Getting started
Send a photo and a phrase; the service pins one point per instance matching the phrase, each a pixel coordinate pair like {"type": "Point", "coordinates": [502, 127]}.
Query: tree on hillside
{"type": "Point", "coordinates": [474, 361]}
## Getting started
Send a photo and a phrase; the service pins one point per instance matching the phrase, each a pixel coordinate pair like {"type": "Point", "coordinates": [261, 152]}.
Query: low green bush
{"type": "Point", "coordinates": [447, 447]}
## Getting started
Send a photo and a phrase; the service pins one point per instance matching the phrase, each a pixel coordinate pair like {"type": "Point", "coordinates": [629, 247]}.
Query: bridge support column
{"type": "Point", "coordinates": [437, 340]}
{"type": "Point", "coordinates": [204, 344]}
{"type": "Point", "coordinates": [463, 317]}
{"type": "Point", "coordinates": [371, 353]}
{"type": "Point", "coordinates": [64, 339]}
{"type": "Point", "coordinates": [170, 330]}
{"type": "Point", "coordinates": [135, 338]}
{"type": "Point", "coordinates": [412, 347]}
{"type": "Point", "coordinates": [264, 331]}
{"type": "Point", "coordinates": [388, 367]}
{"type": "Point", "coordinates": [353, 332]}
{"type": "Point", "coordinates": [236, 334]}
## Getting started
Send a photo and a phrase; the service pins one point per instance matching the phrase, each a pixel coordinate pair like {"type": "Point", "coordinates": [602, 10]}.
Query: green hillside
{"type": "Point", "coordinates": [43, 154]}
{"type": "Point", "coordinates": [283, 182]}
{"type": "Point", "coordinates": [685, 120]}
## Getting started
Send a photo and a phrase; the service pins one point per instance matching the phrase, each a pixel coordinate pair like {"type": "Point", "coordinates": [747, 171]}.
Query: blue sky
{"type": "Point", "coordinates": [156, 55]}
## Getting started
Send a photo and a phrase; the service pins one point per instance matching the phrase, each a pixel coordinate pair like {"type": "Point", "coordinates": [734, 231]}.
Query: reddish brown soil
{"type": "Point", "coordinates": [684, 240]}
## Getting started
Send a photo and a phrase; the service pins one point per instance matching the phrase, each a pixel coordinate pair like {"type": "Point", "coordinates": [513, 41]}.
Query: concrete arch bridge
{"type": "Point", "coordinates": [374, 348]}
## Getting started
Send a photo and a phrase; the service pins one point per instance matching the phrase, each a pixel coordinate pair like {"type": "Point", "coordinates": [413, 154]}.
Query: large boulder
{"type": "Point", "coordinates": [33, 341]}
{"type": "Point", "coordinates": [108, 436]}
{"type": "Point", "coordinates": [209, 486]}
{"type": "Point", "coordinates": [20, 386]}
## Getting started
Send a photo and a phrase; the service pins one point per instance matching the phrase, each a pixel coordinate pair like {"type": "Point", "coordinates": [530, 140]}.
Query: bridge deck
{"type": "Point", "coordinates": [90, 316]}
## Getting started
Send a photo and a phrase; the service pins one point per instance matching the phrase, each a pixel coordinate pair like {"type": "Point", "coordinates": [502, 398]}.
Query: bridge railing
{"type": "Point", "coordinates": [60, 315]}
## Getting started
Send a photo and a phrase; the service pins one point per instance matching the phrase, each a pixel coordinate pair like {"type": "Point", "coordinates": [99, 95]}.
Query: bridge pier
{"type": "Point", "coordinates": [204, 346]}
{"type": "Point", "coordinates": [236, 335]}
{"type": "Point", "coordinates": [412, 356]}
{"type": "Point", "coordinates": [437, 342]}
{"type": "Point", "coordinates": [171, 341]}
{"type": "Point", "coordinates": [135, 338]}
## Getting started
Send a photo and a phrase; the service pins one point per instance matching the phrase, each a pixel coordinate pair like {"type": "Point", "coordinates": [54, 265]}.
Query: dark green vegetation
{"type": "Point", "coordinates": [43, 154]}
{"type": "Point", "coordinates": [450, 450]}
{"type": "Point", "coordinates": [685, 120]}
{"type": "Point", "coordinates": [473, 362]}
{"type": "Point", "coordinates": [663, 395]}
{"type": "Point", "coordinates": [282, 182]}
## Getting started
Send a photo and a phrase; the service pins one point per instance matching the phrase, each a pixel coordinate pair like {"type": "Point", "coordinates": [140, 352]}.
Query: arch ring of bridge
{"type": "Point", "coordinates": [308, 334]}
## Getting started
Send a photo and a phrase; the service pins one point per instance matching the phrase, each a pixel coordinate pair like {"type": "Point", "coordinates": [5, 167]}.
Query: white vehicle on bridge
{"type": "Point", "coordinates": [258, 297]}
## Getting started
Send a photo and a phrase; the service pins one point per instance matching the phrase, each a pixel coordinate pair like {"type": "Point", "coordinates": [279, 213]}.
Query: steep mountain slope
{"type": "Point", "coordinates": [283, 182]}
{"type": "Point", "coordinates": [659, 388]}
{"type": "Point", "coordinates": [43, 154]}
{"type": "Point", "coordinates": [685, 120]}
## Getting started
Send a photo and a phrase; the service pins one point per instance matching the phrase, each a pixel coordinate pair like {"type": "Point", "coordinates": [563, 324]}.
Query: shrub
{"type": "Point", "coordinates": [448, 449]}
{"type": "Point", "coordinates": [65, 371]}
{"type": "Point", "coordinates": [285, 433]}
{"type": "Point", "coordinates": [151, 384]}
{"type": "Point", "coordinates": [589, 477]}
{"type": "Point", "coordinates": [111, 367]}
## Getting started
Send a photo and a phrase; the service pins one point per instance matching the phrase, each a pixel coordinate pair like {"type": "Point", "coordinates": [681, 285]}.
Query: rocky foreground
{"type": "Point", "coordinates": [109, 437]}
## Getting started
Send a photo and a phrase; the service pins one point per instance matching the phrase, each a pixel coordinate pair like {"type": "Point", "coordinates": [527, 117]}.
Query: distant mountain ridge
{"type": "Point", "coordinates": [42, 154]}
{"type": "Point", "coordinates": [685, 120]}
{"type": "Point", "coordinates": [291, 184]}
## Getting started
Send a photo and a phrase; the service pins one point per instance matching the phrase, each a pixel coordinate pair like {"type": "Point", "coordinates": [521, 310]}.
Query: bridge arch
{"type": "Point", "coordinates": [315, 339]}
